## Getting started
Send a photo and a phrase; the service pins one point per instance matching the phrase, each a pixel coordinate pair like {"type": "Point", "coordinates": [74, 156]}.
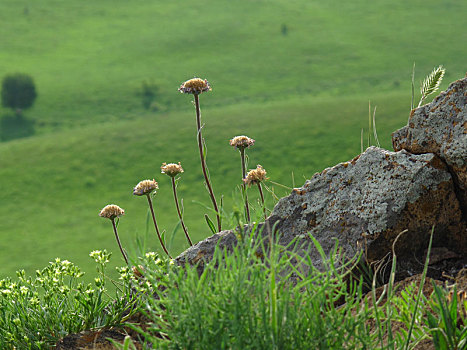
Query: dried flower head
{"type": "Point", "coordinates": [111, 211]}
{"type": "Point", "coordinates": [255, 176]}
{"type": "Point", "coordinates": [145, 187]}
{"type": "Point", "coordinates": [171, 169]}
{"type": "Point", "coordinates": [138, 271]}
{"type": "Point", "coordinates": [242, 142]}
{"type": "Point", "coordinates": [195, 86]}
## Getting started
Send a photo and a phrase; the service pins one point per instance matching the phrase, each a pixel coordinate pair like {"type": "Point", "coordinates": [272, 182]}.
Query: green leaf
{"type": "Point", "coordinates": [210, 224]}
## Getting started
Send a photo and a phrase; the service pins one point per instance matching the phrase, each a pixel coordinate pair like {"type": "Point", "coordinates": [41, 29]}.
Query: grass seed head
{"type": "Point", "coordinates": [111, 212]}
{"type": "Point", "coordinates": [195, 86]}
{"type": "Point", "coordinates": [171, 169]}
{"type": "Point", "coordinates": [242, 142]}
{"type": "Point", "coordinates": [145, 187]}
{"type": "Point", "coordinates": [255, 176]}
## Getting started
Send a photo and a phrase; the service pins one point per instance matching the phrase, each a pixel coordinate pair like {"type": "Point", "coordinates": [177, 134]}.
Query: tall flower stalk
{"type": "Point", "coordinates": [256, 176]}
{"type": "Point", "coordinates": [196, 86]}
{"type": "Point", "coordinates": [145, 188]}
{"type": "Point", "coordinates": [173, 170]}
{"type": "Point", "coordinates": [112, 212]}
{"type": "Point", "coordinates": [241, 143]}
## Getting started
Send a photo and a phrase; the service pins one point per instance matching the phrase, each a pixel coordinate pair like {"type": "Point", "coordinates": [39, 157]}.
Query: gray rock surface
{"type": "Point", "coordinates": [364, 204]}
{"type": "Point", "coordinates": [440, 127]}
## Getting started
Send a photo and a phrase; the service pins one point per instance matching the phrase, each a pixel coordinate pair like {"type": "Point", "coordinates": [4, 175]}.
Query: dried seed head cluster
{"type": "Point", "coordinates": [195, 86]}
{"type": "Point", "coordinates": [111, 211]}
{"type": "Point", "coordinates": [145, 187]}
{"type": "Point", "coordinates": [255, 176]}
{"type": "Point", "coordinates": [242, 142]}
{"type": "Point", "coordinates": [171, 169]}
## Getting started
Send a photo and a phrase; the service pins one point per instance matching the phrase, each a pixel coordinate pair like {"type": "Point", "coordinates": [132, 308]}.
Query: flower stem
{"type": "Point", "coordinates": [245, 196]}
{"type": "Point", "coordinates": [262, 199]}
{"type": "Point", "coordinates": [157, 228]}
{"type": "Point", "coordinates": [203, 162]}
{"type": "Point", "coordinates": [118, 241]}
{"type": "Point", "coordinates": [179, 213]}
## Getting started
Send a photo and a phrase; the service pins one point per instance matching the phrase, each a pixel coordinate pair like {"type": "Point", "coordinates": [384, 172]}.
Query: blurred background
{"type": "Point", "coordinates": [295, 75]}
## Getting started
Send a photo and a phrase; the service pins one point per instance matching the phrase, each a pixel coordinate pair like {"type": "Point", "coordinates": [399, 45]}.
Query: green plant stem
{"type": "Point", "coordinates": [157, 228]}
{"type": "Point", "coordinates": [260, 189]}
{"type": "Point", "coordinates": [179, 213]}
{"type": "Point", "coordinates": [245, 196]}
{"type": "Point", "coordinates": [118, 241]}
{"type": "Point", "coordinates": [203, 162]}
{"type": "Point", "coordinates": [420, 289]}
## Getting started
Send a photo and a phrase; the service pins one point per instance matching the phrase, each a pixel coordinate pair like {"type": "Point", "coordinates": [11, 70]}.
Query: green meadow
{"type": "Point", "coordinates": [294, 75]}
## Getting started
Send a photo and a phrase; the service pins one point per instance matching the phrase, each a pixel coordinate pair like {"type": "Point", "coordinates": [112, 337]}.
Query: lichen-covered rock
{"type": "Point", "coordinates": [364, 204]}
{"type": "Point", "coordinates": [367, 202]}
{"type": "Point", "coordinates": [440, 127]}
{"type": "Point", "coordinates": [203, 251]}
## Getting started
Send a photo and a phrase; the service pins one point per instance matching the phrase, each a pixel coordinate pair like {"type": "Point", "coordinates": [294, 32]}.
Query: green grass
{"type": "Point", "coordinates": [303, 96]}
{"type": "Point", "coordinates": [89, 60]}
{"type": "Point", "coordinates": [257, 296]}
{"type": "Point", "coordinates": [245, 299]}
{"type": "Point", "coordinates": [55, 184]}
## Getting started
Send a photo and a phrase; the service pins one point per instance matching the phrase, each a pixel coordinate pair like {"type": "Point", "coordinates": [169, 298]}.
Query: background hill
{"type": "Point", "coordinates": [294, 75]}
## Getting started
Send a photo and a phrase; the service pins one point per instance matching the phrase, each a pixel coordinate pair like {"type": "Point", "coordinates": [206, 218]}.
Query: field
{"type": "Point", "coordinates": [294, 75]}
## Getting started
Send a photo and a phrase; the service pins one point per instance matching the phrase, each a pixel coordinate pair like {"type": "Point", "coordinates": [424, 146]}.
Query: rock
{"type": "Point", "coordinates": [367, 202]}
{"type": "Point", "coordinates": [440, 127]}
{"type": "Point", "coordinates": [203, 251]}
{"type": "Point", "coordinates": [364, 204]}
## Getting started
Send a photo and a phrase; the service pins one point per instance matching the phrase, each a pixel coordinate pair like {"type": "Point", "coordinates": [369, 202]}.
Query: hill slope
{"type": "Point", "coordinates": [89, 60]}
{"type": "Point", "coordinates": [54, 185]}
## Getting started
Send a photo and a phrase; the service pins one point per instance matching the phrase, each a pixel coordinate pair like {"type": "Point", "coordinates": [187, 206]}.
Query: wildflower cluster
{"type": "Point", "coordinates": [171, 169]}
{"type": "Point", "coordinates": [255, 176]}
{"type": "Point", "coordinates": [111, 212]}
{"type": "Point", "coordinates": [37, 311]}
{"type": "Point", "coordinates": [100, 257]}
{"type": "Point", "coordinates": [195, 86]}
{"type": "Point", "coordinates": [145, 187]}
{"type": "Point", "coordinates": [242, 142]}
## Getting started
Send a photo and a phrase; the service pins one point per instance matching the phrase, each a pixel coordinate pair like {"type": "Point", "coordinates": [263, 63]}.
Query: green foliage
{"type": "Point", "coordinates": [18, 91]}
{"type": "Point", "coordinates": [37, 311]}
{"type": "Point", "coordinates": [240, 302]}
{"type": "Point", "coordinates": [447, 319]}
{"type": "Point", "coordinates": [328, 50]}
{"type": "Point", "coordinates": [301, 96]}
{"type": "Point", "coordinates": [149, 94]}
{"type": "Point", "coordinates": [98, 165]}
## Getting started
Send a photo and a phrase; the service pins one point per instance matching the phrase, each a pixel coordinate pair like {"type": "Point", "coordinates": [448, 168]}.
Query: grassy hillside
{"type": "Point", "coordinates": [295, 75]}
{"type": "Point", "coordinates": [90, 59]}
{"type": "Point", "coordinates": [54, 185]}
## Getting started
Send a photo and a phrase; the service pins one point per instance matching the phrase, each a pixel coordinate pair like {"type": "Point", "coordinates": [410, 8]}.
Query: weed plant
{"type": "Point", "coordinates": [38, 311]}
{"type": "Point", "coordinates": [447, 318]}
{"type": "Point", "coordinates": [255, 298]}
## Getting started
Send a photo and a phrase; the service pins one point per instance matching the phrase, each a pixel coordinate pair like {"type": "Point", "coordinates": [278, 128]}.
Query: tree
{"type": "Point", "coordinates": [18, 92]}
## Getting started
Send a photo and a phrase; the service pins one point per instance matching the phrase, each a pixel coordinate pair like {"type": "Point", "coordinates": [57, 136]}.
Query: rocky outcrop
{"type": "Point", "coordinates": [440, 127]}
{"type": "Point", "coordinates": [364, 204]}
{"type": "Point", "coordinates": [367, 202]}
